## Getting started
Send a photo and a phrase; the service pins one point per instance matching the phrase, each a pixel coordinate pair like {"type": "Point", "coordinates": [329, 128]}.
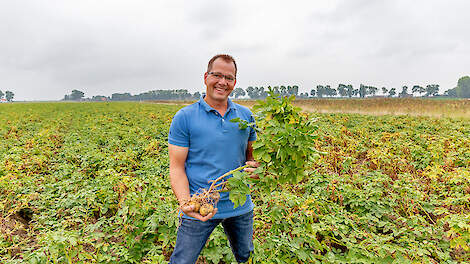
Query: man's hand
{"type": "Point", "coordinates": [253, 165]}
{"type": "Point", "coordinates": [189, 211]}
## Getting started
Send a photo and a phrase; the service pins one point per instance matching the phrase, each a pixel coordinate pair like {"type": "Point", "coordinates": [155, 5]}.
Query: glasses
{"type": "Point", "coordinates": [219, 76]}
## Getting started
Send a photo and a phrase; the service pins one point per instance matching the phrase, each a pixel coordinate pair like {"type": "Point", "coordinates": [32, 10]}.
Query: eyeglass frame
{"type": "Point", "coordinates": [219, 76]}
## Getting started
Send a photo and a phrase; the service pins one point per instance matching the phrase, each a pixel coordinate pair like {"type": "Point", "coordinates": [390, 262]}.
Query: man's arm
{"type": "Point", "coordinates": [179, 181]}
{"type": "Point", "coordinates": [178, 178]}
{"type": "Point", "coordinates": [250, 160]}
{"type": "Point", "coordinates": [249, 151]}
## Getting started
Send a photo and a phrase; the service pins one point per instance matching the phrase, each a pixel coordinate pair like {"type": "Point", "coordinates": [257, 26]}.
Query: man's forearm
{"type": "Point", "coordinates": [249, 151]}
{"type": "Point", "coordinates": [178, 178]}
{"type": "Point", "coordinates": [179, 185]}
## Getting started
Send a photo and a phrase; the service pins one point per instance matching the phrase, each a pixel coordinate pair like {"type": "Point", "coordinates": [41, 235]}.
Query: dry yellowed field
{"type": "Point", "coordinates": [456, 108]}
{"type": "Point", "coordinates": [385, 106]}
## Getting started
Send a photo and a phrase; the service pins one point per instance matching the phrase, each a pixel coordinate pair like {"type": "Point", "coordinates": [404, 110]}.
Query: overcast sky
{"type": "Point", "coordinates": [48, 48]}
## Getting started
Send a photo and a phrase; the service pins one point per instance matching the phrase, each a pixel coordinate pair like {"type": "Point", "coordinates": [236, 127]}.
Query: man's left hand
{"type": "Point", "coordinates": [253, 165]}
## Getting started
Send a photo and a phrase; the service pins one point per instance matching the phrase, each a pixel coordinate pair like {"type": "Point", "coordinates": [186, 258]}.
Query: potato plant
{"type": "Point", "coordinates": [284, 146]}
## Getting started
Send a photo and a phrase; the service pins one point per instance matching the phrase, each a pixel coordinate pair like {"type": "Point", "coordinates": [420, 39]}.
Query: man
{"type": "Point", "coordinates": [203, 145]}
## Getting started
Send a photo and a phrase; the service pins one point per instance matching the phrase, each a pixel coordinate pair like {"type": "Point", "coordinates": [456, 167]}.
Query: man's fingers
{"type": "Point", "coordinates": [196, 215]}
{"type": "Point", "coordinates": [252, 163]}
{"type": "Point", "coordinates": [209, 216]}
{"type": "Point", "coordinates": [187, 209]}
{"type": "Point", "coordinates": [250, 169]}
{"type": "Point", "coordinates": [200, 217]}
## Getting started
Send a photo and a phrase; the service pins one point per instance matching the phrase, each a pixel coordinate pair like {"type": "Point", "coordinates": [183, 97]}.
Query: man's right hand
{"type": "Point", "coordinates": [189, 211]}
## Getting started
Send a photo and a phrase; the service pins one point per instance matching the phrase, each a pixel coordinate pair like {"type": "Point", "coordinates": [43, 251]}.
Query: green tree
{"type": "Point", "coordinates": [404, 92]}
{"type": "Point", "coordinates": [1, 94]}
{"type": "Point", "coordinates": [250, 91]}
{"type": "Point", "coordinates": [421, 90]}
{"type": "Point", "coordinates": [313, 92]}
{"type": "Point", "coordinates": [275, 89]}
{"type": "Point", "coordinates": [99, 98]}
{"type": "Point", "coordinates": [330, 91]}
{"type": "Point", "coordinates": [262, 93]}
{"type": "Point", "coordinates": [372, 90]}
{"type": "Point", "coordinates": [463, 87]}
{"type": "Point", "coordinates": [350, 91]}
{"type": "Point", "coordinates": [342, 90]}
{"type": "Point", "coordinates": [355, 92]}
{"type": "Point", "coordinates": [256, 92]}
{"type": "Point", "coordinates": [432, 89]}
{"type": "Point", "coordinates": [362, 91]}
{"type": "Point", "coordinates": [283, 90]}
{"type": "Point", "coordinates": [417, 89]}
{"type": "Point", "coordinates": [9, 95]}
{"type": "Point", "coordinates": [392, 92]}
{"type": "Point", "coordinates": [384, 90]}
{"type": "Point", "coordinates": [451, 92]}
{"type": "Point", "coordinates": [292, 90]}
{"type": "Point", "coordinates": [182, 94]}
{"type": "Point", "coordinates": [128, 96]}
{"type": "Point", "coordinates": [321, 91]}
{"type": "Point", "coordinates": [237, 92]}
{"type": "Point", "coordinates": [76, 95]}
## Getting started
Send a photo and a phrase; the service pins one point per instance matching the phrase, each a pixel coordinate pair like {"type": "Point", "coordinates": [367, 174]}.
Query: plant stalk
{"type": "Point", "coordinates": [225, 175]}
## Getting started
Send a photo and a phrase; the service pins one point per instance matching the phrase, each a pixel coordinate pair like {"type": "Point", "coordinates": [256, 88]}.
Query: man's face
{"type": "Point", "coordinates": [218, 87]}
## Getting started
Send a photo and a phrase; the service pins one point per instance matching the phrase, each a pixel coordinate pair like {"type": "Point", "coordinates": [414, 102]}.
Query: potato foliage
{"type": "Point", "coordinates": [88, 183]}
{"type": "Point", "coordinates": [284, 147]}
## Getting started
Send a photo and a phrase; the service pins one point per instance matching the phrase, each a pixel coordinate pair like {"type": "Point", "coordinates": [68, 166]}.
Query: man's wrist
{"type": "Point", "coordinates": [183, 201]}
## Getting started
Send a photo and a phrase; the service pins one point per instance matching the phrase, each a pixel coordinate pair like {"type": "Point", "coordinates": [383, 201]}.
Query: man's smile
{"type": "Point", "coordinates": [220, 90]}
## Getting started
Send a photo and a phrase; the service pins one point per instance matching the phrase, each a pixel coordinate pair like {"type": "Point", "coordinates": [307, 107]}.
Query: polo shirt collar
{"type": "Point", "coordinates": [231, 105]}
{"type": "Point", "coordinates": [208, 108]}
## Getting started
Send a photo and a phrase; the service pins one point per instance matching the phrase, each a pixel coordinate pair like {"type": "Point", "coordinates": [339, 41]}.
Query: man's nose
{"type": "Point", "coordinates": [223, 80]}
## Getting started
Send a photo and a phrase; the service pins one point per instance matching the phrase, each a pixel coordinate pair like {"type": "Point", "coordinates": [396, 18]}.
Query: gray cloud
{"type": "Point", "coordinates": [49, 48]}
{"type": "Point", "coordinates": [213, 19]}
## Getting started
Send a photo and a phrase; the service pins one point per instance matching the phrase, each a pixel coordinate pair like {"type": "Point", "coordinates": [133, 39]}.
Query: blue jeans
{"type": "Point", "coordinates": [193, 234]}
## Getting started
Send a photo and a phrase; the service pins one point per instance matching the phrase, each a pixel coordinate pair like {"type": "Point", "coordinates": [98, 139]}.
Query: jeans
{"type": "Point", "coordinates": [193, 234]}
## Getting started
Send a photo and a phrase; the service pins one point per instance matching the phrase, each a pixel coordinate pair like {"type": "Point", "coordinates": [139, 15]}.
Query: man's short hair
{"type": "Point", "coordinates": [224, 57]}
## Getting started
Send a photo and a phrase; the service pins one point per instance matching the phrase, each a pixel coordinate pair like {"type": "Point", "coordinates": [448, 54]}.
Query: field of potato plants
{"type": "Point", "coordinates": [88, 183]}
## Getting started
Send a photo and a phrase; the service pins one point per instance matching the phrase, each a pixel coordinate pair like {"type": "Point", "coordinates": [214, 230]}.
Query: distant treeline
{"type": "Point", "coordinates": [180, 94]}
{"type": "Point", "coordinates": [321, 91]}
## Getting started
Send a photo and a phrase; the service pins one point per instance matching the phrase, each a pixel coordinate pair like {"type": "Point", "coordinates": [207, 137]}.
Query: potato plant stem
{"type": "Point", "coordinates": [219, 184]}
{"type": "Point", "coordinates": [225, 175]}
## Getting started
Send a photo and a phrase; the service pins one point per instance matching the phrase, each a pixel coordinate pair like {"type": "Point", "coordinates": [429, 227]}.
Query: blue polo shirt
{"type": "Point", "coordinates": [215, 146]}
